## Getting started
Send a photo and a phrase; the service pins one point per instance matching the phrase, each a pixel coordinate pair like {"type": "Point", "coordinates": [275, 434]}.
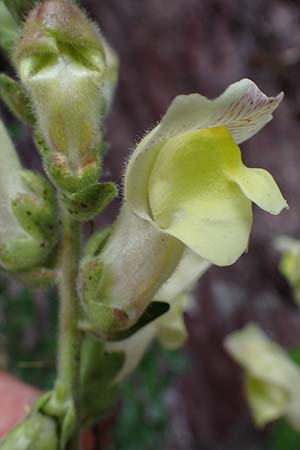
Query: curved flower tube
{"type": "Point", "coordinates": [272, 379]}
{"type": "Point", "coordinates": [134, 265]}
{"type": "Point", "coordinates": [170, 328]}
{"type": "Point", "coordinates": [187, 176]}
{"type": "Point", "coordinates": [119, 278]}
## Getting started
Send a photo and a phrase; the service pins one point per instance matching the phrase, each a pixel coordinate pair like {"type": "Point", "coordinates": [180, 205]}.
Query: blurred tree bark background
{"type": "Point", "coordinates": [171, 47]}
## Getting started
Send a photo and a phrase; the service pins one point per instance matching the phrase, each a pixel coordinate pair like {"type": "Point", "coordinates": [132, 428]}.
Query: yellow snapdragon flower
{"type": "Point", "coordinates": [187, 177]}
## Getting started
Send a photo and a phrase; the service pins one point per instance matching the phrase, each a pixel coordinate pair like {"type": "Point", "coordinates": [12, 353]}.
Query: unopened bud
{"type": "Point", "coordinates": [61, 63]}
{"type": "Point", "coordinates": [28, 216]}
{"type": "Point", "coordinates": [37, 432]}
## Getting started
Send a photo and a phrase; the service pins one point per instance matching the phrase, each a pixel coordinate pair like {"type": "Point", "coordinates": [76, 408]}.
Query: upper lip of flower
{"type": "Point", "coordinates": [243, 109]}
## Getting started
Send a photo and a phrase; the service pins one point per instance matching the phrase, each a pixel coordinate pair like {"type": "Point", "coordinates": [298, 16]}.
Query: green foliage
{"type": "Point", "coordinates": [29, 350]}
{"type": "Point", "coordinates": [284, 437]}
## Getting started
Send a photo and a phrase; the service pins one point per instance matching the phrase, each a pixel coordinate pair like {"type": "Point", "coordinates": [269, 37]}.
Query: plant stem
{"type": "Point", "coordinates": [69, 336]}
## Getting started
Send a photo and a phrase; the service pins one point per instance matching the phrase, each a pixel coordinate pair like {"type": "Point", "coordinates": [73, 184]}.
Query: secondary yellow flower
{"type": "Point", "coordinates": [178, 293]}
{"type": "Point", "coordinates": [272, 379]}
{"type": "Point", "coordinates": [187, 176]}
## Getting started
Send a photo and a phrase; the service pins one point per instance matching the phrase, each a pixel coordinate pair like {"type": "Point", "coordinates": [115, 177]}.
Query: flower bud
{"type": "Point", "coordinates": [28, 217]}
{"type": "Point", "coordinates": [61, 63]}
{"type": "Point", "coordinates": [37, 432]}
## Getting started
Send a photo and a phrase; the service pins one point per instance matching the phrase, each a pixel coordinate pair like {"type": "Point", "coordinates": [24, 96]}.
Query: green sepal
{"type": "Point", "coordinates": [98, 369]}
{"type": "Point", "coordinates": [86, 204]}
{"type": "Point", "coordinates": [56, 166]}
{"type": "Point", "coordinates": [24, 253]}
{"type": "Point", "coordinates": [65, 179]}
{"type": "Point", "coordinates": [37, 212]}
{"type": "Point", "coordinates": [106, 320]}
{"type": "Point", "coordinates": [91, 272]}
{"type": "Point", "coordinates": [29, 214]}
{"type": "Point", "coordinates": [113, 324]}
{"type": "Point", "coordinates": [59, 405]}
{"type": "Point", "coordinates": [96, 243]}
{"type": "Point", "coordinates": [91, 267]}
{"type": "Point", "coordinates": [15, 99]}
{"type": "Point", "coordinates": [39, 186]}
{"type": "Point", "coordinates": [44, 276]}
{"type": "Point", "coordinates": [153, 311]}
{"type": "Point", "coordinates": [36, 432]}
{"type": "Point", "coordinates": [19, 8]}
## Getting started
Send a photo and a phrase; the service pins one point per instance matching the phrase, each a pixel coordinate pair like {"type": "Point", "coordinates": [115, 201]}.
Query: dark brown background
{"type": "Point", "coordinates": [170, 47]}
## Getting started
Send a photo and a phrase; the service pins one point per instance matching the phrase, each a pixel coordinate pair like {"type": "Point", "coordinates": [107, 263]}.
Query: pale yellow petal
{"type": "Point", "coordinates": [243, 108]}
{"type": "Point", "coordinates": [192, 199]}
{"type": "Point", "coordinates": [260, 187]}
{"type": "Point", "coordinates": [170, 328]}
{"type": "Point", "coordinates": [267, 401]}
{"type": "Point", "coordinates": [190, 268]}
{"type": "Point", "coordinates": [137, 176]}
{"type": "Point", "coordinates": [134, 349]}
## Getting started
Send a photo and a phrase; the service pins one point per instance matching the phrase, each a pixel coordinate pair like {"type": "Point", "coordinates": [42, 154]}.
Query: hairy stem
{"type": "Point", "coordinates": [69, 336]}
